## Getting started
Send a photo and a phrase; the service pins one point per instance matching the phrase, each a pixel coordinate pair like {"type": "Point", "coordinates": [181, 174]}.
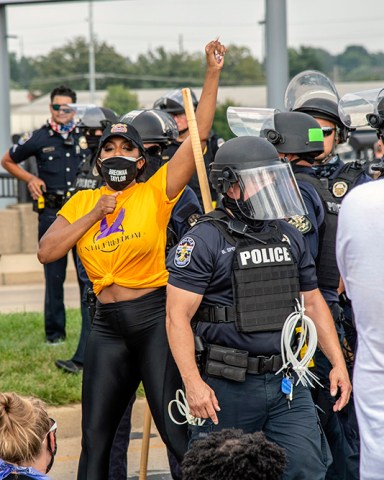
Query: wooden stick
{"type": "Point", "coordinates": [197, 153]}
{"type": "Point", "coordinates": [145, 443]}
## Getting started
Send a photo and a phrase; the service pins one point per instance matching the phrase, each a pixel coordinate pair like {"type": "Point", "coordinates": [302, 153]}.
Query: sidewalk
{"type": "Point", "coordinates": [22, 290]}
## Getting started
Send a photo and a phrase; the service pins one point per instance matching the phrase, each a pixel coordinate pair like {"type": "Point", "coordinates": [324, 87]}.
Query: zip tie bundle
{"type": "Point", "coordinates": [183, 407]}
{"type": "Point", "coordinates": [308, 335]}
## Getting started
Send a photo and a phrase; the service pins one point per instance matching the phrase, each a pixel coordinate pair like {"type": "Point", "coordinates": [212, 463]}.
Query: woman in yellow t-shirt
{"type": "Point", "coordinates": [120, 234]}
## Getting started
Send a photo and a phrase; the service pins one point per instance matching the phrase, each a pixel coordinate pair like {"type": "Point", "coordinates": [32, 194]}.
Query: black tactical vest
{"type": "Point", "coordinates": [85, 179]}
{"type": "Point", "coordinates": [265, 278]}
{"type": "Point", "coordinates": [327, 271]}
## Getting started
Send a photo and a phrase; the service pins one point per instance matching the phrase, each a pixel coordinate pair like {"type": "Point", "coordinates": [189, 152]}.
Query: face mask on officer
{"type": "Point", "coordinates": [118, 172]}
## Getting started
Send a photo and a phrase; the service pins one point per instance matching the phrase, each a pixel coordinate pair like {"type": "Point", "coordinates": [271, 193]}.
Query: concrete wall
{"type": "Point", "coordinates": [18, 232]}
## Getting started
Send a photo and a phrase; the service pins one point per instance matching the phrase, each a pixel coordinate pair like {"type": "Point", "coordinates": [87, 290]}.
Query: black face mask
{"type": "Point", "coordinates": [240, 210]}
{"type": "Point", "coordinates": [118, 172]}
{"type": "Point", "coordinates": [93, 142]}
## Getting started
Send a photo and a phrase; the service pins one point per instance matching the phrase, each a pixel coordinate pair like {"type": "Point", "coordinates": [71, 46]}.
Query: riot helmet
{"type": "Point", "coordinates": [93, 120]}
{"type": "Point", "coordinates": [154, 126]}
{"type": "Point", "coordinates": [296, 133]}
{"type": "Point", "coordinates": [249, 171]}
{"type": "Point", "coordinates": [290, 132]}
{"type": "Point", "coordinates": [94, 117]}
{"type": "Point", "coordinates": [314, 93]}
{"type": "Point", "coordinates": [172, 102]}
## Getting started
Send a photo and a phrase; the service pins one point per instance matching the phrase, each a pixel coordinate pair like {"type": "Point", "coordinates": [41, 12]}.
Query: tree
{"type": "Point", "coordinates": [220, 124]}
{"type": "Point", "coordinates": [308, 58]}
{"type": "Point", "coordinates": [120, 99]}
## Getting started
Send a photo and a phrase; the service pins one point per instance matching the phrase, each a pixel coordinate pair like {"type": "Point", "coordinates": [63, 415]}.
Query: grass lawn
{"type": "Point", "coordinates": [27, 364]}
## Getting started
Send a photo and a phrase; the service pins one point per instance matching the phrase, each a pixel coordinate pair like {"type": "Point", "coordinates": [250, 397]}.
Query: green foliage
{"type": "Point", "coordinates": [159, 68]}
{"type": "Point", "coordinates": [308, 58]}
{"type": "Point", "coordinates": [120, 99]}
{"type": "Point", "coordinates": [220, 124]}
{"type": "Point", "coordinates": [27, 362]}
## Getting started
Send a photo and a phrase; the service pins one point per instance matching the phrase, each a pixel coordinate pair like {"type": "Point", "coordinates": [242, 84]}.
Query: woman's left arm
{"type": "Point", "coordinates": [182, 164]}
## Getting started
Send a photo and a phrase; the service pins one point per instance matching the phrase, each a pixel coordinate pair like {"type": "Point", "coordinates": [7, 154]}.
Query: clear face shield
{"type": "Point", "coordinates": [250, 121]}
{"type": "Point", "coordinates": [362, 109]}
{"type": "Point", "coordinates": [268, 193]}
{"type": "Point", "coordinates": [307, 85]}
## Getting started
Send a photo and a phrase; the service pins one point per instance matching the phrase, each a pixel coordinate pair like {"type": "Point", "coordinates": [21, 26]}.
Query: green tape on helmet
{"type": "Point", "coordinates": [315, 135]}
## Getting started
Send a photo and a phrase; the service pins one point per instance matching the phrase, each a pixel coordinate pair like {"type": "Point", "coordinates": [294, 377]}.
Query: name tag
{"type": "Point", "coordinates": [264, 256]}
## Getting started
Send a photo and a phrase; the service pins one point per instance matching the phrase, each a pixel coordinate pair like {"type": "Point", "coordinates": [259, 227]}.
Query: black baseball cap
{"type": "Point", "coordinates": [121, 130]}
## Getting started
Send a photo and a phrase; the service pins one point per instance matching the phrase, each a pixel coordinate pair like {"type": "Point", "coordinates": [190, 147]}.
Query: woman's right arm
{"type": "Point", "coordinates": [62, 235]}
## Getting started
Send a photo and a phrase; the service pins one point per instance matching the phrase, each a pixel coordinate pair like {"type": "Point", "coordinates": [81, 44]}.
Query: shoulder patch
{"type": "Point", "coordinates": [339, 189]}
{"type": "Point", "coordinates": [24, 138]}
{"type": "Point", "coordinates": [301, 223]}
{"type": "Point", "coordinates": [183, 252]}
{"type": "Point", "coordinates": [83, 142]}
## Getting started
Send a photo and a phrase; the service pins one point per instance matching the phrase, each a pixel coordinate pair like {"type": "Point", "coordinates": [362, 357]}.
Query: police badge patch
{"type": "Point", "coordinates": [339, 189]}
{"type": "Point", "coordinates": [301, 223]}
{"type": "Point", "coordinates": [183, 252]}
{"type": "Point", "coordinates": [83, 143]}
{"type": "Point", "coordinates": [24, 138]}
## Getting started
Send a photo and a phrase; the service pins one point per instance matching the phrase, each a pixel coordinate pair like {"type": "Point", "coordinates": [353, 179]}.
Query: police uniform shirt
{"type": "Point", "coordinates": [187, 206]}
{"type": "Point", "coordinates": [202, 263]}
{"type": "Point", "coordinates": [309, 224]}
{"type": "Point", "coordinates": [57, 158]}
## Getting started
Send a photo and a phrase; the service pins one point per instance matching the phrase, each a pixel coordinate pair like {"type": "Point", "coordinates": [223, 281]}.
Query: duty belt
{"type": "Point", "coordinates": [233, 364]}
{"type": "Point", "coordinates": [54, 200]}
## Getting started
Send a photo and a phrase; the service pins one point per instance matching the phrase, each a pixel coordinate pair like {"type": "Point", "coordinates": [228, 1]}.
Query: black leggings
{"type": "Point", "coordinates": [127, 344]}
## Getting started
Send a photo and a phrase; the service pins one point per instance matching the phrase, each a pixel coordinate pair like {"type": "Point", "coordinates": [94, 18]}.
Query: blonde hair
{"type": "Point", "coordinates": [24, 424]}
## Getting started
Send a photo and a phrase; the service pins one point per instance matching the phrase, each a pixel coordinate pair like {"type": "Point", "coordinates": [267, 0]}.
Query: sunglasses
{"type": "Point", "coordinates": [327, 131]}
{"type": "Point", "coordinates": [61, 108]}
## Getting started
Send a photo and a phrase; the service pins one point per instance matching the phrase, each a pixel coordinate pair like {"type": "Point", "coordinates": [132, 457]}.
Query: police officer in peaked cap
{"type": "Point", "coordinates": [233, 280]}
{"type": "Point", "coordinates": [172, 103]}
{"type": "Point", "coordinates": [59, 147]}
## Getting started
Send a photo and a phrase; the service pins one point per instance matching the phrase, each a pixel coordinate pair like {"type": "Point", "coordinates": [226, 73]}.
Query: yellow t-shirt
{"type": "Point", "coordinates": [127, 247]}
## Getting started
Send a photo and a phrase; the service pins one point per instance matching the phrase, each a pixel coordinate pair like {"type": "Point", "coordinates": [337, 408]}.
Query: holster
{"type": "Point", "coordinates": [229, 363]}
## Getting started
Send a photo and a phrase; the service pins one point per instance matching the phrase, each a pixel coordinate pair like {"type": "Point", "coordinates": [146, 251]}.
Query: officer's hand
{"type": "Point", "coordinates": [36, 187]}
{"type": "Point", "coordinates": [214, 53]}
{"type": "Point", "coordinates": [106, 205]}
{"type": "Point", "coordinates": [202, 401]}
{"type": "Point", "coordinates": [339, 379]}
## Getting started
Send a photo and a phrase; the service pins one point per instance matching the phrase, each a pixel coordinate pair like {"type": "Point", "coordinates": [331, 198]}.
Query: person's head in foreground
{"type": "Point", "coordinates": [27, 437]}
{"type": "Point", "coordinates": [233, 455]}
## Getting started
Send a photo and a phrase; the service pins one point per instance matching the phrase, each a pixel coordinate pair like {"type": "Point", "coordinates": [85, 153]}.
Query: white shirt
{"type": "Point", "coordinates": [360, 256]}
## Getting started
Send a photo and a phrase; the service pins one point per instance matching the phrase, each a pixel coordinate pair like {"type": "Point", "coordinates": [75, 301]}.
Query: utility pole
{"type": "Point", "coordinates": [276, 58]}
{"type": "Point", "coordinates": [5, 104]}
{"type": "Point", "coordinates": [92, 75]}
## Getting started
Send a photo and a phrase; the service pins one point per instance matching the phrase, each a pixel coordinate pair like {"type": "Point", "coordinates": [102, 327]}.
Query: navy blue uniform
{"type": "Point", "coordinates": [209, 154]}
{"type": "Point", "coordinates": [257, 403]}
{"type": "Point", "coordinates": [58, 160]}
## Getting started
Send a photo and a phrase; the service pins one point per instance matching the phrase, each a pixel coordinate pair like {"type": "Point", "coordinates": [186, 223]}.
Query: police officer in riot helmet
{"type": "Point", "coordinates": [172, 103]}
{"type": "Point", "coordinates": [235, 276]}
{"type": "Point", "coordinates": [158, 130]}
{"type": "Point", "coordinates": [298, 137]}
{"type": "Point", "coordinates": [341, 176]}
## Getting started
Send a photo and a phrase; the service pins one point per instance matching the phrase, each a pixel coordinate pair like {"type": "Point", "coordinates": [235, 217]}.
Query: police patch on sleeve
{"type": "Point", "coordinates": [183, 252]}
{"type": "Point", "coordinates": [301, 223]}
{"type": "Point", "coordinates": [24, 138]}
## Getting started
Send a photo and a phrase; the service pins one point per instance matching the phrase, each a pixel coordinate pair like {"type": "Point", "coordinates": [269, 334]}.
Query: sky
{"type": "Point", "coordinates": [136, 26]}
